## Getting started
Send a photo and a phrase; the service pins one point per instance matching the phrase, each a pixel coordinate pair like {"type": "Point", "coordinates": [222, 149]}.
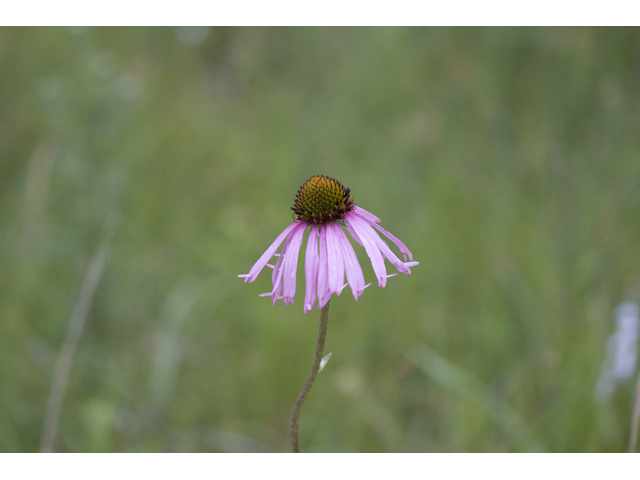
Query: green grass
{"type": "Point", "coordinates": [507, 159]}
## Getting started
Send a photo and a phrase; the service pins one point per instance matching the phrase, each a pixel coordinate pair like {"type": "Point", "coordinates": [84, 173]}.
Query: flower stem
{"type": "Point", "coordinates": [295, 420]}
{"type": "Point", "coordinates": [633, 438]}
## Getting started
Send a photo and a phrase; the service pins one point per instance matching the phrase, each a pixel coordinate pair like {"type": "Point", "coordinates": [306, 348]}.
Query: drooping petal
{"type": "Point", "coordinates": [266, 256]}
{"type": "Point", "coordinates": [276, 267]}
{"type": "Point", "coordinates": [403, 248]}
{"type": "Point", "coordinates": [276, 293]}
{"type": "Point", "coordinates": [373, 220]}
{"type": "Point", "coordinates": [351, 265]}
{"type": "Point", "coordinates": [290, 265]}
{"type": "Point", "coordinates": [274, 298]}
{"type": "Point", "coordinates": [370, 217]}
{"type": "Point", "coordinates": [324, 293]}
{"type": "Point", "coordinates": [311, 269]}
{"type": "Point", "coordinates": [334, 259]}
{"type": "Point", "coordinates": [352, 233]}
{"type": "Point", "coordinates": [287, 262]}
{"type": "Point", "coordinates": [364, 232]}
{"type": "Point", "coordinates": [389, 255]}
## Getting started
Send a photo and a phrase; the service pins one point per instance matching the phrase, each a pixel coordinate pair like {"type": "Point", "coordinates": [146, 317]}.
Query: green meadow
{"type": "Point", "coordinates": [143, 169]}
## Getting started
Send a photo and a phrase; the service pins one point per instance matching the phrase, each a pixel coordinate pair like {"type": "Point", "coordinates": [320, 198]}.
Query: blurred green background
{"type": "Point", "coordinates": [507, 159]}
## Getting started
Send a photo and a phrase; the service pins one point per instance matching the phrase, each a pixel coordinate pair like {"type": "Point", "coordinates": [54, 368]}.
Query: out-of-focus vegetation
{"type": "Point", "coordinates": [508, 161]}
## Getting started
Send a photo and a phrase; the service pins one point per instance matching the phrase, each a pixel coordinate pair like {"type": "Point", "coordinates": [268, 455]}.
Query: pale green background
{"type": "Point", "coordinates": [507, 159]}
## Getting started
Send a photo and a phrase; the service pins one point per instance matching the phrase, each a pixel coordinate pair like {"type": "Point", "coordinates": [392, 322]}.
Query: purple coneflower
{"type": "Point", "coordinates": [323, 204]}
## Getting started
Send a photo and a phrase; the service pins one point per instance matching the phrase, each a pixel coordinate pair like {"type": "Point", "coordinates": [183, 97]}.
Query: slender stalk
{"type": "Point", "coordinates": [634, 419]}
{"type": "Point", "coordinates": [295, 420]}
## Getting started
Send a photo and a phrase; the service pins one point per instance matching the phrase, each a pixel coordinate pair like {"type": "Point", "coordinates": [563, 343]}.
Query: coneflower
{"type": "Point", "coordinates": [324, 206]}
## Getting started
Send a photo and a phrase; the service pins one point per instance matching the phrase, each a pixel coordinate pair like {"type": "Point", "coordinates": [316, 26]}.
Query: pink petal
{"type": "Point", "coordinates": [373, 220]}
{"type": "Point", "coordinates": [311, 270]}
{"type": "Point", "coordinates": [389, 255]}
{"type": "Point", "coordinates": [351, 232]}
{"type": "Point", "coordinates": [290, 265]}
{"type": "Point", "coordinates": [276, 267]}
{"type": "Point", "coordinates": [334, 259]}
{"type": "Point", "coordinates": [355, 278]}
{"type": "Point", "coordinates": [362, 229]}
{"type": "Point", "coordinates": [324, 293]}
{"type": "Point", "coordinates": [403, 248]}
{"type": "Point", "coordinates": [276, 293]}
{"type": "Point", "coordinates": [266, 256]}
{"type": "Point", "coordinates": [370, 217]}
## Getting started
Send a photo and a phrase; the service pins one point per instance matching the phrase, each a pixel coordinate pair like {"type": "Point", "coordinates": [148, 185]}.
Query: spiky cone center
{"type": "Point", "coordinates": [321, 200]}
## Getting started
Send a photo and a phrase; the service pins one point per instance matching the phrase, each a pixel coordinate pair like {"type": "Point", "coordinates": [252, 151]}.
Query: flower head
{"type": "Point", "coordinates": [325, 205]}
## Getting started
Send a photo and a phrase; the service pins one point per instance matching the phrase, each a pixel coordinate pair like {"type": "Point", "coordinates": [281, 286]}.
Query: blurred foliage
{"type": "Point", "coordinates": [507, 159]}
